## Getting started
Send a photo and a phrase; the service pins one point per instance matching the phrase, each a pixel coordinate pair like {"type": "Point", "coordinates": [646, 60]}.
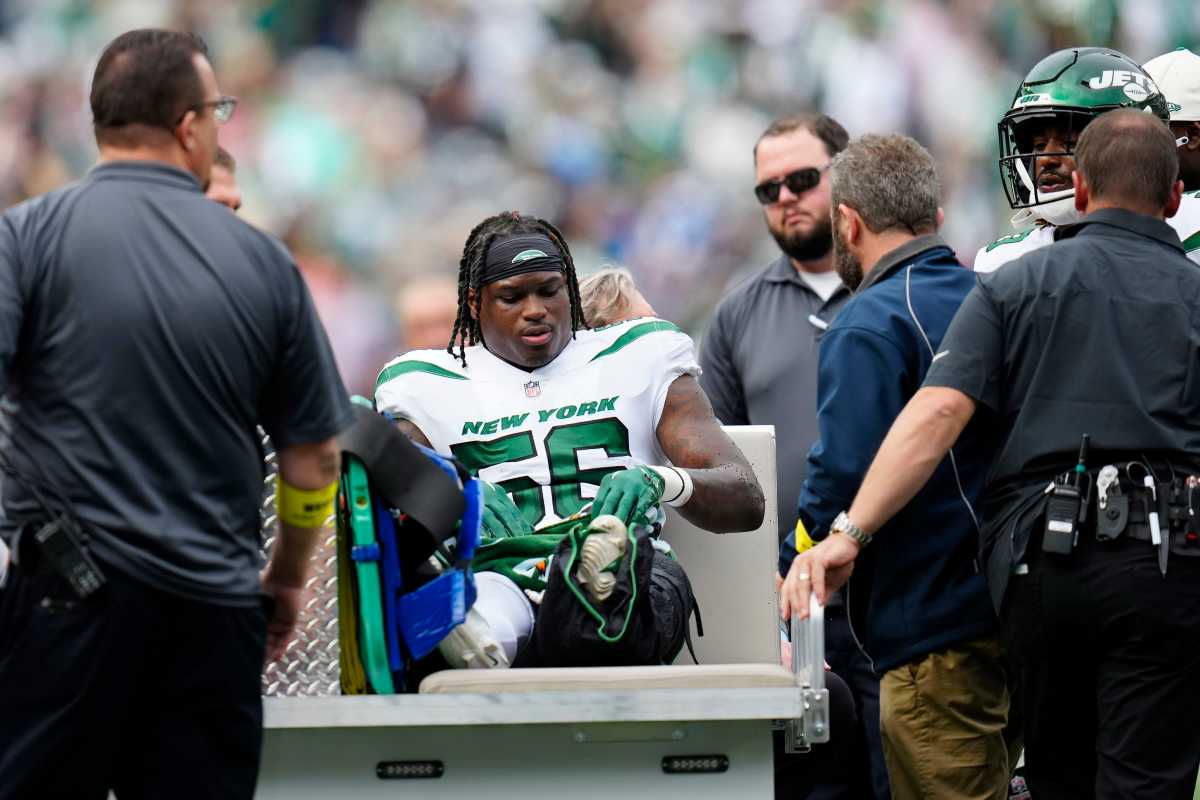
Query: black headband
{"type": "Point", "coordinates": [520, 253]}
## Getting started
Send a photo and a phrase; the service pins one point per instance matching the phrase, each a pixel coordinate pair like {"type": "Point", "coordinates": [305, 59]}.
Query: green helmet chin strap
{"type": "Point", "coordinates": [1066, 90]}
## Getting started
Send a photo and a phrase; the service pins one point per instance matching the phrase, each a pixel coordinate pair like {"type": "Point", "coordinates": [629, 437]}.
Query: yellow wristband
{"type": "Point", "coordinates": [803, 540]}
{"type": "Point", "coordinates": [303, 508]}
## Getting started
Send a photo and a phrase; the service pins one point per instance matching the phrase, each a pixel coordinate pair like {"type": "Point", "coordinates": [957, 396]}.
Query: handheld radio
{"type": "Point", "coordinates": [1065, 496]}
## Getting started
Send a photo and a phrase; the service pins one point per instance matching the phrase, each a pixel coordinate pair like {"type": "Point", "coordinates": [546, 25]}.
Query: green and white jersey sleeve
{"type": "Point", "coordinates": [548, 436]}
{"type": "Point", "coordinates": [407, 385]}
{"type": "Point", "coordinates": [1013, 246]}
{"type": "Point", "coordinates": [1186, 223]}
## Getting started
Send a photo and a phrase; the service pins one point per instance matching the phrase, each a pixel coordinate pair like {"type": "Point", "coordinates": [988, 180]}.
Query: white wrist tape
{"type": "Point", "coordinates": [677, 485]}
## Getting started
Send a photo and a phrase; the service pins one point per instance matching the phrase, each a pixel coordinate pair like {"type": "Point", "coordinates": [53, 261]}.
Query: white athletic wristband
{"type": "Point", "coordinates": [677, 485]}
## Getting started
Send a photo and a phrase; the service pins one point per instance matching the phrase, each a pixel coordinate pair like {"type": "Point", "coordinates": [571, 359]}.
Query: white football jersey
{"type": "Point", "coordinates": [1186, 223]}
{"type": "Point", "coordinates": [1014, 245]}
{"type": "Point", "coordinates": [547, 436]}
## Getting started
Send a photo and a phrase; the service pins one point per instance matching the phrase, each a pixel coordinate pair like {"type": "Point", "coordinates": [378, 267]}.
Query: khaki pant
{"type": "Point", "coordinates": [945, 724]}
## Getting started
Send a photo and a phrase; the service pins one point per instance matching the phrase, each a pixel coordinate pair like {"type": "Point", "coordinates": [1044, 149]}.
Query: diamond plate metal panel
{"type": "Point", "coordinates": [309, 668]}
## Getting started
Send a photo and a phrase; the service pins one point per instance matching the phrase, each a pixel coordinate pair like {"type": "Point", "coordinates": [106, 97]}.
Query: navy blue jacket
{"type": "Point", "coordinates": [917, 588]}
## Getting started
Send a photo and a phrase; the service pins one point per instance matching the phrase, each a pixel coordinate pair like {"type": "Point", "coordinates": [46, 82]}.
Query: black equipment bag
{"type": "Point", "coordinates": [643, 622]}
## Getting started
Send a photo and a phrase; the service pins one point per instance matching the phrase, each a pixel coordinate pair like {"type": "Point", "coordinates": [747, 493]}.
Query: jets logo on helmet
{"type": "Point", "coordinates": [1032, 100]}
{"type": "Point", "coordinates": [1123, 77]}
{"type": "Point", "coordinates": [1065, 91]}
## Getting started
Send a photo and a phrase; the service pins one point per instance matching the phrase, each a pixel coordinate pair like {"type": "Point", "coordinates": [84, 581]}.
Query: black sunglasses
{"type": "Point", "coordinates": [798, 183]}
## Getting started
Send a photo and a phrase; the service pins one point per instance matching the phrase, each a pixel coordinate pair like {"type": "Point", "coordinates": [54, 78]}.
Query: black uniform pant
{"type": "Point", "coordinates": [831, 771]}
{"type": "Point", "coordinates": [1108, 654]}
{"type": "Point", "coordinates": [136, 690]}
{"type": "Point", "coordinates": [849, 661]}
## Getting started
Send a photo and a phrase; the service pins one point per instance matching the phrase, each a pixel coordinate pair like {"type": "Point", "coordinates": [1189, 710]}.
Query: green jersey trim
{"type": "Point", "coordinates": [396, 370]}
{"type": "Point", "coordinates": [1011, 238]}
{"type": "Point", "coordinates": [1192, 242]}
{"type": "Point", "coordinates": [633, 334]}
{"type": "Point", "coordinates": [617, 324]}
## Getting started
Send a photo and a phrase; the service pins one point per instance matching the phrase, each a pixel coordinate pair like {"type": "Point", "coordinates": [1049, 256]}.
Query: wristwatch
{"type": "Point", "coordinates": [843, 525]}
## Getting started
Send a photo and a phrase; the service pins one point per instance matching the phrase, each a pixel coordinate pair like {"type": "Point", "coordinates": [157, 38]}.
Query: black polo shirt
{"type": "Point", "coordinates": [144, 331]}
{"type": "Point", "coordinates": [1098, 333]}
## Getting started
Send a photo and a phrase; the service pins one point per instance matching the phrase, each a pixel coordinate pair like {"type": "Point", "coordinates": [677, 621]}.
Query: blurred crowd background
{"type": "Point", "coordinates": [373, 134]}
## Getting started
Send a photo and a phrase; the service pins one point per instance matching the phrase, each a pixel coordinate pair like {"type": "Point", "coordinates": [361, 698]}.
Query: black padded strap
{"type": "Point", "coordinates": [687, 629]}
{"type": "Point", "coordinates": [404, 476]}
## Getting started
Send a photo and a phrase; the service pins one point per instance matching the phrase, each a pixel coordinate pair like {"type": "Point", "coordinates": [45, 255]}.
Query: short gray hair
{"type": "Point", "coordinates": [605, 295]}
{"type": "Point", "coordinates": [891, 181]}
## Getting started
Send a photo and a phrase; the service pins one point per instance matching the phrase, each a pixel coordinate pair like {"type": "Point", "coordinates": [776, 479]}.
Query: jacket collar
{"type": "Point", "coordinates": [154, 171]}
{"type": "Point", "coordinates": [1142, 224]}
{"type": "Point", "coordinates": [894, 259]}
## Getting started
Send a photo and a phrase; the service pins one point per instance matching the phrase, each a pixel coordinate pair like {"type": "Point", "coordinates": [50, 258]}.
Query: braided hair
{"type": "Point", "coordinates": [471, 267]}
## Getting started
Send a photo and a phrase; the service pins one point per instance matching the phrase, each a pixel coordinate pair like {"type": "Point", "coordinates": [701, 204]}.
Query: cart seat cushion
{"type": "Point", "coordinates": [574, 679]}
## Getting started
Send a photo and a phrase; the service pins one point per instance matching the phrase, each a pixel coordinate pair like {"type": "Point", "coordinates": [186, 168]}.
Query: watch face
{"type": "Point", "coordinates": [843, 525]}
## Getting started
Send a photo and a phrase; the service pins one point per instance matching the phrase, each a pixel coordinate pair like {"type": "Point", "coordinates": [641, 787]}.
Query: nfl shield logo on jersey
{"type": "Point", "coordinates": [533, 389]}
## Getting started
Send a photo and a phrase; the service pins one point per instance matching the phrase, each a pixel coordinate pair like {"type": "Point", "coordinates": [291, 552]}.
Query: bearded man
{"type": "Point", "coordinates": [752, 381]}
{"type": "Point", "coordinates": [918, 605]}
{"type": "Point", "coordinates": [793, 300]}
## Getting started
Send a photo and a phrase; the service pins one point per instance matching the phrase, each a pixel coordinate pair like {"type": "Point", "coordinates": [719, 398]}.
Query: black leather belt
{"type": "Point", "coordinates": [1183, 542]}
{"type": "Point", "coordinates": [1177, 519]}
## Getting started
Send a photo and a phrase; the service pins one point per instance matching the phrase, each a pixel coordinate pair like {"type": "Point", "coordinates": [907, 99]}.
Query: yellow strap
{"type": "Point", "coordinates": [803, 540]}
{"type": "Point", "coordinates": [302, 508]}
{"type": "Point", "coordinates": [353, 676]}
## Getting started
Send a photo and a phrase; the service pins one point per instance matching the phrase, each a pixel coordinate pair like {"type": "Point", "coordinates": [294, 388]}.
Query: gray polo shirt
{"type": "Point", "coordinates": [760, 367]}
{"type": "Point", "coordinates": [144, 331]}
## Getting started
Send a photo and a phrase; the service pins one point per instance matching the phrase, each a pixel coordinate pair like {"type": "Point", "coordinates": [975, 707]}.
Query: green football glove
{"type": "Point", "coordinates": [501, 517]}
{"type": "Point", "coordinates": [627, 494]}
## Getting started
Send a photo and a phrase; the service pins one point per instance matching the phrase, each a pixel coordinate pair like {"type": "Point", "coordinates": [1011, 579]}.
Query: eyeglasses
{"type": "Point", "coordinates": [222, 108]}
{"type": "Point", "coordinates": [798, 183]}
